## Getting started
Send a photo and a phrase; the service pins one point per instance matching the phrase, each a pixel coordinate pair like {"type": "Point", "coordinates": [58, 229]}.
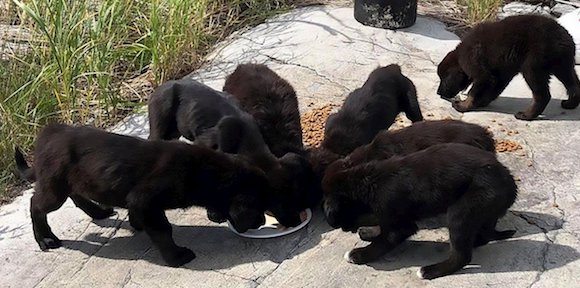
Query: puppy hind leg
{"type": "Point", "coordinates": [90, 208]}
{"type": "Point", "coordinates": [488, 233]}
{"type": "Point", "coordinates": [461, 240]}
{"type": "Point", "coordinates": [537, 80]}
{"type": "Point", "coordinates": [160, 231]}
{"type": "Point", "coordinates": [463, 226]}
{"type": "Point", "coordinates": [41, 204]}
{"type": "Point", "coordinates": [567, 75]}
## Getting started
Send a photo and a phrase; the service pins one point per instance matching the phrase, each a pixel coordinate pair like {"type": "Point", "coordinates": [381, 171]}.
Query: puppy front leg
{"type": "Point", "coordinates": [481, 94]}
{"type": "Point", "coordinates": [383, 243]}
{"type": "Point", "coordinates": [160, 231]}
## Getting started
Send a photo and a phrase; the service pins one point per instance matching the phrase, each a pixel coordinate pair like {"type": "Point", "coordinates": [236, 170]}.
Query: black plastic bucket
{"type": "Point", "coordinates": [388, 14]}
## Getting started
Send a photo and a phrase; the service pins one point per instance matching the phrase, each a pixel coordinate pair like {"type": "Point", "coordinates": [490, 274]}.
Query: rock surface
{"type": "Point", "coordinates": [325, 54]}
{"type": "Point", "coordinates": [521, 8]}
{"type": "Point", "coordinates": [560, 9]}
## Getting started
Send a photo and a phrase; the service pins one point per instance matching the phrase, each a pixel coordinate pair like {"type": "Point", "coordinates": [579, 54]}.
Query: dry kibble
{"type": "Point", "coordinates": [313, 125]}
{"type": "Point", "coordinates": [504, 145]}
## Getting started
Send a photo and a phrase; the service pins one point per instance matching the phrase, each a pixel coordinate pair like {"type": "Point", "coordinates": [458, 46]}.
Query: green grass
{"type": "Point", "coordinates": [480, 10]}
{"type": "Point", "coordinates": [84, 50]}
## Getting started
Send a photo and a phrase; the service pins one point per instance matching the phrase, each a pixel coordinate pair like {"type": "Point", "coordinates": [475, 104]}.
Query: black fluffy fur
{"type": "Point", "coordinates": [201, 114]}
{"type": "Point", "coordinates": [493, 53]}
{"type": "Point", "coordinates": [272, 102]}
{"type": "Point", "coordinates": [465, 182]}
{"type": "Point", "coordinates": [214, 119]}
{"type": "Point", "coordinates": [371, 108]}
{"type": "Point", "coordinates": [419, 136]}
{"type": "Point", "coordinates": [146, 177]}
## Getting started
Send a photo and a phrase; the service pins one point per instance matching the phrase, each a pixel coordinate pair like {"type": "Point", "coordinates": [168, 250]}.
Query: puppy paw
{"type": "Point", "coordinates": [433, 271]}
{"type": "Point", "coordinates": [356, 256]}
{"type": "Point", "coordinates": [179, 257]}
{"type": "Point", "coordinates": [215, 217]}
{"type": "Point", "coordinates": [369, 233]}
{"type": "Point", "coordinates": [49, 243]}
{"type": "Point", "coordinates": [460, 106]}
{"type": "Point", "coordinates": [103, 214]}
{"type": "Point", "coordinates": [569, 104]}
{"type": "Point", "coordinates": [427, 272]}
{"type": "Point", "coordinates": [523, 116]}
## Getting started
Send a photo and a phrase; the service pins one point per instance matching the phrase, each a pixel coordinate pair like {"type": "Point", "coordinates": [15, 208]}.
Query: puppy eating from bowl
{"type": "Point", "coordinates": [466, 183]}
{"type": "Point", "coordinates": [211, 118]}
{"type": "Point", "coordinates": [370, 109]}
{"type": "Point", "coordinates": [146, 177]}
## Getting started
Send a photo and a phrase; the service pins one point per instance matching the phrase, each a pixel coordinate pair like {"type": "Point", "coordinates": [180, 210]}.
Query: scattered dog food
{"type": "Point", "coordinates": [504, 145]}
{"type": "Point", "coordinates": [512, 132]}
{"type": "Point", "coordinates": [313, 125]}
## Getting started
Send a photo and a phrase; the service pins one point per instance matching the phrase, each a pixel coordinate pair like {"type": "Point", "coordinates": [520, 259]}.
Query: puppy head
{"type": "Point", "coordinates": [248, 203]}
{"type": "Point", "coordinates": [294, 189]}
{"type": "Point", "coordinates": [453, 78]}
{"type": "Point", "coordinates": [307, 185]}
{"type": "Point", "coordinates": [340, 209]}
{"type": "Point", "coordinates": [339, 135]}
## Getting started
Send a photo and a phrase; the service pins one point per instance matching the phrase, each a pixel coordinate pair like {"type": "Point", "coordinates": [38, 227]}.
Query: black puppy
{"type": "Point", "coordinates": [401, 142]}
{"type": "Point", "coordinates": [272, 102]}
{"type": "Point", "coordinates": [201, 114]}
{"type": "Point", "coordinates": [465, 182]}
{"type": "Point", "coordinates": [146, 177]}
{"type": "Point", "coordinates": [213, 119]}
{"type": "Point", "coordinates": [493, 53]}
{"type": "Point", "coordinates": [419, 136]}
{"type": "Point", "coordinates": [371, 108]}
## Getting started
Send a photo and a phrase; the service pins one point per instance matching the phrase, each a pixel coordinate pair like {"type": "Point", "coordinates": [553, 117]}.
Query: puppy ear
{"type": "Point", "coordinates": [230, 131]}
{"type": "Point", "coordinates": [451, 60]}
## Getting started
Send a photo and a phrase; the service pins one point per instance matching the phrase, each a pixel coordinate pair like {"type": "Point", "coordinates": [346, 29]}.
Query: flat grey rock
{"type": "Point", "coordinates": [521, 8]}
{"type": "Point", "coordinates": [325, 54]}
{"type": "Point", "coordinates": [560, 9]}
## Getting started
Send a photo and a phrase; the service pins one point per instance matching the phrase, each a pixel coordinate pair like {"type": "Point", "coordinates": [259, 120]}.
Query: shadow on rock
{"type": "Point", "coordinates": [496, 257]}
{"type": "Point", "coordinates": [512, 105]}
{"type": "Point", "coordinates": [216, 247]}
{"type": "Point", "coordinates": [524, 222]}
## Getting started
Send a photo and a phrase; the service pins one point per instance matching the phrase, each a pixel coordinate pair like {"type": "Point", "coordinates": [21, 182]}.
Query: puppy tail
{"type": "Point", "coordinates": [26, 172]}
{"type": "Point", "coordinates": [409, 101]}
